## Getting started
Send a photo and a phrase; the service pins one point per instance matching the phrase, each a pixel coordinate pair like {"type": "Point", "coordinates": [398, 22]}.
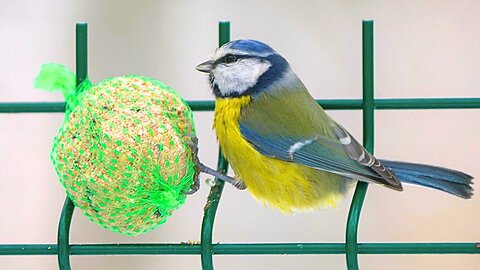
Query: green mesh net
{"type": "Point", "coordinates": [121, 153]}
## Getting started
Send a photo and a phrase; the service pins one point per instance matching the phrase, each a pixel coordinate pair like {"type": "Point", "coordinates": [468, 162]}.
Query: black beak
{"type": "Point", "coordinates": [205, 66]}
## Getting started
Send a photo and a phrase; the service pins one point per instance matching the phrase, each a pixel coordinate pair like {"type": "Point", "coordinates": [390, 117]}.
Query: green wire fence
{"type": "Point", "coordinates": [206, 249]}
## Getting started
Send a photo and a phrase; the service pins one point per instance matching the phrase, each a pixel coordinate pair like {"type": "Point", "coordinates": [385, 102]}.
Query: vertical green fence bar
{"type": "Point", "coordinates": [81, 52]}
{"type": "Point", "coordinates": [216, 192]}
{"type": "Point", "coordinates": [351, 243]}
{"type": "Point", "coordinates": [63, 242]}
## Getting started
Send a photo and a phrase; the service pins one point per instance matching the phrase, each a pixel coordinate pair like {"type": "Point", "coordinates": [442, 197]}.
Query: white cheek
{"type": "Point", "coordinates": [239, 77]}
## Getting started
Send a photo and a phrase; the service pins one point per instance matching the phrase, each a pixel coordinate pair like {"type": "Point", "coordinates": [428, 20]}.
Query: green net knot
{"type": "Point", "coordinates": [56, 77]}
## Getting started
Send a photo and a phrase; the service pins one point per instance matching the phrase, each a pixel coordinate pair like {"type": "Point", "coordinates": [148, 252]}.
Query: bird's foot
{"type": "Point", "coordinates": [192, 143]}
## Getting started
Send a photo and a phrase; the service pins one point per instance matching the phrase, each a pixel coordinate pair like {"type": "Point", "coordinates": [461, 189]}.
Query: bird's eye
{"type": "Point", "coordinates": [229, 58]}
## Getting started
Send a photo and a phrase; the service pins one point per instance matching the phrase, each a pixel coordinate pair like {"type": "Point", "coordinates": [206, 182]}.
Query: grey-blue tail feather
{"type": "Point", "coordinates": [447, 180]}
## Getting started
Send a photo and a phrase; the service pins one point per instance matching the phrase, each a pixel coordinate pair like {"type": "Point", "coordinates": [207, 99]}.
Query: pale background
{"type": "Point", "coordinates": [423, 49]}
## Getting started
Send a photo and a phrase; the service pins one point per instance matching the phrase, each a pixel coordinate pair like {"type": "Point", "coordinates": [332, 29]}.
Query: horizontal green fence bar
{"type": "Point", "coordinates": [330, 104]}
{"type": "Point", "coordinates": [427, 103]}
{"type": "Point", "coordinates": [28, 249]}
{"type": "Point", "coordinates": [244, 249]}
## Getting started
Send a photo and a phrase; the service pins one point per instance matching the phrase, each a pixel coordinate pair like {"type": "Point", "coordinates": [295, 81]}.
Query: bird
{"type": "Point", "coordinates": [284, 148]}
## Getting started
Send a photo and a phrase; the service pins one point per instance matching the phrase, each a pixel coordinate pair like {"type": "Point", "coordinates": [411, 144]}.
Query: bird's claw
{"type": "Point", "coordinates": [194, 188]}
{"type": "Point", "coordinates": [192, 143]}
{"type": "Point", "coordinates": [239, 184]}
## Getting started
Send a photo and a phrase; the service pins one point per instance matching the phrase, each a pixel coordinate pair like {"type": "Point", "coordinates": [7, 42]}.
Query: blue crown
{"type": "Point", "coordinates": [249, 45]}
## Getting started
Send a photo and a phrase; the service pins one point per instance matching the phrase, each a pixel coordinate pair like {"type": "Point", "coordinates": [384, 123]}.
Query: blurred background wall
{"type": "Point", "coordinates": [422, 49]}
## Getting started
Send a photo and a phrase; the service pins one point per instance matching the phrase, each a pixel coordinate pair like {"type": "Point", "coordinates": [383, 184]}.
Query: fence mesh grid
{"type": "Point", "coordinates": [206, 249]}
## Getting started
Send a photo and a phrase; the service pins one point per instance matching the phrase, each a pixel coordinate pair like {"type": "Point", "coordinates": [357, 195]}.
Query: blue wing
{"type": "Point", "coordinates": [289, 125]}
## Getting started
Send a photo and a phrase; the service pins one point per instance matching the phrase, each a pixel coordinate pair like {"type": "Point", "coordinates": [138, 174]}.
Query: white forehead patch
{"type": "Point", "coordinates": [238, 77]}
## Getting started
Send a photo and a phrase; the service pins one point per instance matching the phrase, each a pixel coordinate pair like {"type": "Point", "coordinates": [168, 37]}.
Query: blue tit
{"type": "Point", "coordinates": [283, 146]}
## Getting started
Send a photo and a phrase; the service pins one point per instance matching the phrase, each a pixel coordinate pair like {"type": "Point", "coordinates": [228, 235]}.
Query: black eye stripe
{"type": "Point", "coordinates": [229, 58]}
{"type": "Point", "coordinates": [233, 58]}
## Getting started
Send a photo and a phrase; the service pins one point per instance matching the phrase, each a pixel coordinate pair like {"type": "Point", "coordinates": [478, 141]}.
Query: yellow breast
{"type": "Point", "coordinates": [285, 185]}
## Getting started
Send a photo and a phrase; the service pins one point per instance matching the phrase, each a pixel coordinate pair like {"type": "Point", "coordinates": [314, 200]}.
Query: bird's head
{"type": "Point", "coordinates": [244, 67]}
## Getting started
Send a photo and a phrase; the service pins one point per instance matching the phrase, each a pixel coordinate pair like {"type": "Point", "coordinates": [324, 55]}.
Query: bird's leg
{"type": "Point", "coordinates": [239, 184]}
{"type": "Point", "coordinates": [192, 143]}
